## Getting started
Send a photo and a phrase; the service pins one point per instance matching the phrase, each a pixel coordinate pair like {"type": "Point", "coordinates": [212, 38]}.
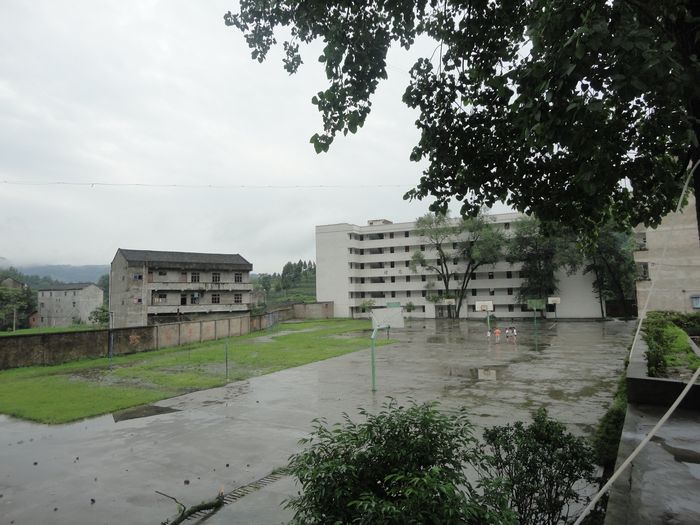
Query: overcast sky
{"type": "Point", "coordinates": [164, 93]}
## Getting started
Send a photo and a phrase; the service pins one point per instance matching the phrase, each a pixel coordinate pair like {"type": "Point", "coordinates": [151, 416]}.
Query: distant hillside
{"type": "Point", "coordinates": [67, 273]}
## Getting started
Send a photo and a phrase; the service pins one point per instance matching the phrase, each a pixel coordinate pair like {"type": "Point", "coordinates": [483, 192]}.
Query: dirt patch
{"type": "Point", "coordinates": [271, 337]}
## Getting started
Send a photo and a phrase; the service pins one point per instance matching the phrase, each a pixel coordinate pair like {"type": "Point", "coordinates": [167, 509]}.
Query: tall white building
{"type": "Point", "coordinates": [355, 264]}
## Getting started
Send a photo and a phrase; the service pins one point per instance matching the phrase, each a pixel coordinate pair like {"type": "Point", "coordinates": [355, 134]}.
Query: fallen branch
{"type": "Point", "coordinates": [186, 512]}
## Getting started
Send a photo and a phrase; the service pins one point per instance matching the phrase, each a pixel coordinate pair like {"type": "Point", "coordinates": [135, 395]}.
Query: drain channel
{"type": "Point", "coordinates": [244, 490]}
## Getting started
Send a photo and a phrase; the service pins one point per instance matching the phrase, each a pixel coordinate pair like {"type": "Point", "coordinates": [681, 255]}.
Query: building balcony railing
{"type": "Point", "coordinates": [196, 308]}
{"type": "Point", "coordinates": [200, 287]}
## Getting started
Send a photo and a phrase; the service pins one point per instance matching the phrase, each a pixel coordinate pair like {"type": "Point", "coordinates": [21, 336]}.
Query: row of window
{"type": "Point", "coordinates": [195, 298]}
{"type": "Point", "coordinates": [456, 277]}
{"type": "Point", "coordinates": [41, 305]}
{"type": "Point", "coordinates": [194, 277]}
{"type": "Point", "coordinates": [50, 294]}
{"type": "Point", "coordinates": [424, 293]}
{"type": "Point", "coordinates": [390, 235]}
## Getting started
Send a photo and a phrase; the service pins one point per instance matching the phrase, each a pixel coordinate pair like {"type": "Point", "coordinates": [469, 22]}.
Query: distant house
{"type": "Point", "coordinates": [148, 287]}
{"type": "Point", "coordinates": [669, 257]}
{"type": "Point", "coordinates": [66, 304]}
{"type": "Point", "coordinates": [12, 283]}
{"type": "Point", "coordinates": [34, 319]}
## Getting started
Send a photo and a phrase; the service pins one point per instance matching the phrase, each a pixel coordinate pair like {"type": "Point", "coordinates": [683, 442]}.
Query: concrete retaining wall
{"type": "Point", "coordinates": [55, 348]}
{"type": "Point", "coordinates": [644, 390]}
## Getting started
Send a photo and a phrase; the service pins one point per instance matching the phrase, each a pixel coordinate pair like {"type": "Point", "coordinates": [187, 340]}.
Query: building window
{"type": "Point", "coordinates": [362, 280]}
{"type": "Point", "coordinates": [138, 277]}
{"type": "Point", "coordinates": [473, 292]}
{"type": "Point", "coordinates": [393, 294]}
{"type": "Point", "coordinates": [391, 235]}
{"type": "Point", "coordinates": [362, 266]}
{"type": "Point", "coordinates": [422, 247]}
{"type": "Point", "coordinates": [456, 277]}
{"type": "Point", "coordinates": [362, 237]}
{"type": "Point", "coordinates": [423, 293]}
{"type": "Point", "coordinates": [42, 304]}
{"type": "Point", "coordinates": [162, 273]}
{"type": "Point", "coordinates": [511, 307]}
{"type": "Point", "coordinates": [65, 294]}
{"type": "Point", "coordinates": [408, 278]}
{"type": "Point", "coordinates": [73, 294]}
{"type": "Point", "coordinates": [643, 271]}
{"type": "Point", "coordinates": [422, 278]}
{"type": "Point", "coordinates": [138, 301]}
{"type": "Point", "coordinates": [215, 298]}
{"type": "Point", "coordinates": [473, 307]}
{"type": "Point", "coordinates": [408, 294]}
{"type": "Point", "coordinates": [492, 291]}
{"type": "Point", "coordinates": [473, 277]}
{"type": "Point", "coordinates": [215, 277]}
{"type": "Point", "coordinates": [405, 248]}
{"type": "Point", "coordinates": [455, 262]}
{"type": "Point", "coordinates": [183, 299]}
{"type": "Point", "coordinates": [490, 275]}
{"type": "Point", "coordinates": [393, 279]}
{"type": "Point", "coordinates": [405, 234]}
{"type": "Point", "coordinates": [194, 298]}
{"type": "Point", "coordinates": [392, 264]}
{"type": "Point", "coordinates": [506, 226]}
{"type": "Point", "coordinates": [510, 291]}
{"type": "Point", "coordinates": [391, 250]}
{"type": "Point", "coordinates": [695, 301]}
{"type": "Point", "coordinates": [408, 264]}
{"type": "Point", "coordinates": [509, 274]}
{"type": "Point", "coordinates": [73, 304]}
{"type": "Point", "coordinates": [162, 298]}
{"type": "Point", "coordinates": [194, 277]}
{"type": "Point", "coordinates": [237, 298]}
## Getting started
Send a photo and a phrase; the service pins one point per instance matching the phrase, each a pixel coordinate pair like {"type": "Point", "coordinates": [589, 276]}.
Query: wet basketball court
{"type": "Point", "coordinates": [107, 469]}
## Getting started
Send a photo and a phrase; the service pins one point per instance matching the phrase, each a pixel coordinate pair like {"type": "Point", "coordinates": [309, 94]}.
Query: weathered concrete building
{"type": "Point", "coordinates": [148, 287]}
{"type": "Point", "coordinates": [360, 263]}
{"type": "Point", "coordinates": [67, 304]}
{"type": "Point", "coordinates": [669, 257]}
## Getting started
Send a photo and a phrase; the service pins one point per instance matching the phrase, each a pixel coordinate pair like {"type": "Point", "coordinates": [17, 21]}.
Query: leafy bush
{"type": "Point", "coordinates": [403, 465]}
{"type": "Point", "coordinates": [607, 437]}
{"type": "Point", "coordinates": [667, 341]}
{"type": "Point", "coordinates": [539, 464]}
{"type": "Point", "coordinates": [407, 466]}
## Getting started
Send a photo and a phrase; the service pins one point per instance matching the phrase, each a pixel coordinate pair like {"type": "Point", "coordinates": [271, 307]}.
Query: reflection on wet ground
{"type": "Point", "coordinates": [230, 436]}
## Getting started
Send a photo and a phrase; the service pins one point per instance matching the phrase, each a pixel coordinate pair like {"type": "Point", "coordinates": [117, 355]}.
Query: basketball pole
{"type": "Point", "coordinates": [373, 338]}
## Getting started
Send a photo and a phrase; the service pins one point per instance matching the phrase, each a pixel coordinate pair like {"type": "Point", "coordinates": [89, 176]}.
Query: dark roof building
{"type": "Point", "coordinates": [148, 286]}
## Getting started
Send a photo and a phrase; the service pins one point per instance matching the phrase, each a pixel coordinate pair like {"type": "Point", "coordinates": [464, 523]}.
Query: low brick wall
{"type": "Point", "coordinates": [55, 348]}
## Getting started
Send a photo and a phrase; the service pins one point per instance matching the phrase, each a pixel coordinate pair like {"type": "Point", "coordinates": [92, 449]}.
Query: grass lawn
{"type": "Point", "coordinates": [53, 329]}
{"type": "Point", "coordinates": [71, 391]}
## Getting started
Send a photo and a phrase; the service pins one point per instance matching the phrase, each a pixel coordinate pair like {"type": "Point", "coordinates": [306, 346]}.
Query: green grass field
{"type": "Point", "coordinates": [71, 391]}
{"type": "Point", "coordinates": [53, 329]}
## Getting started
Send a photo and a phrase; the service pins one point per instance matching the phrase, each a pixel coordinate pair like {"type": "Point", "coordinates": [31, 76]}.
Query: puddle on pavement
{"type": "Point", "coordinates": [486, 373]}
{"type": "Point", "coordinates": [142, 411]}
{"type": "Point", "coordinates": [682, 455]}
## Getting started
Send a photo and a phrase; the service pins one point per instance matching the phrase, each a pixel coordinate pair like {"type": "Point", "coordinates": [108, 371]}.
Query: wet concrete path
{"type": "Point", "coordinates": [231, 436]}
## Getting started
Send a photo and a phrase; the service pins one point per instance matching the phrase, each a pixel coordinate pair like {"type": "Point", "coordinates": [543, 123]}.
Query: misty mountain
{"type": "Point", "coordinates": [67, 273]}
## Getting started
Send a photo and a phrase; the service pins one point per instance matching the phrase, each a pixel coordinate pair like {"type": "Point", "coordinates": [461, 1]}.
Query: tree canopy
{"type": "Point", "coordinates": [571, 110]}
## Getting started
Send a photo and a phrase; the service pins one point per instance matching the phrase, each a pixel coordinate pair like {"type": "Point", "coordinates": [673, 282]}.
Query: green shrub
{"type": "Point", "coordinates": [539, 465]}
{"type": "Point", "coordinates": [607, 437]}
{"type": "Point", "coordinates": [407, 466]}
{"type": "Point", "coordinates": [666, 335]}
{"type": "Point", "coordinates": [403, 465]}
